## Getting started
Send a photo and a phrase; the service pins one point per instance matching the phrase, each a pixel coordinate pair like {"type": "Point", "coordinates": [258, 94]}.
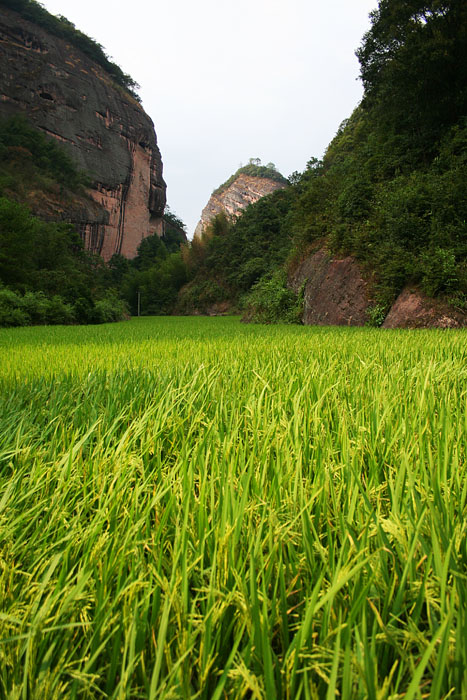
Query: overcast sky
{"type": "Point", "coordinates": [228, 81]}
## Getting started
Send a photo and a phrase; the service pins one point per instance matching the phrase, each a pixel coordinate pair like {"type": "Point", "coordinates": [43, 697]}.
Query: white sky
{"type": "Point", "coordinates": [228, 81]}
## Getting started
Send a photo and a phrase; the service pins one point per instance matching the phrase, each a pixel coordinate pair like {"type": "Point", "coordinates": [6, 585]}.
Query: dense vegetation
{"type": "Point", "coordinates": [391, 187]}
{"type": "Point", "coordinates": [202, 508]}
{"type": "Point", "coordinates": [26, 155]}
{"type": "Point", "coordinates": [232, 256]}
{"type": "Point", "coordinates": [45, 274]}
{"type": "Point", "coordinates": [255, 169]}
{"type": "Point", "coordinates": [151, 281]}
{"type": "Point", "coordinates": [61, 27]}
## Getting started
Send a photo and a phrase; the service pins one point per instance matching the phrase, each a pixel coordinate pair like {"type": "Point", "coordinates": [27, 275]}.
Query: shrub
{"type": "Point", "coordinates": [59, 312]}
{"type": "Point", "coordinates": [376, 315]}
{"type": "Point", "coordinates": [438, 271]}
{"type": "Point", "coordinates": [198, 296]}
{"type": "Point", "coordinates": [271, 301]}
{"type": "Point", "coordinates": [11, 311]}
{"type": "Point", "coordinates": [34, 308]}
{"type": "Point", "coordinates": [83, 309]}
{"type": "Point", "coordinates": [109, 309]}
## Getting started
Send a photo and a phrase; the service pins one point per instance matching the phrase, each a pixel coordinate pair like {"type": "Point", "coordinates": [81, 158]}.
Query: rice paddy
{"type": "Point", "coordinates": [196, 508]}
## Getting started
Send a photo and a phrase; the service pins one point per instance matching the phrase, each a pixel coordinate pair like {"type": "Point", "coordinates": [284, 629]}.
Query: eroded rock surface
{"type": "Point", "coordinates": [105, 131]}
{"type": "Point", "coordinates": [413, 309]}
{"type": "Point", "coordinates": [335, 292]}
{"type": "Point", "coordinates": [245, 190]}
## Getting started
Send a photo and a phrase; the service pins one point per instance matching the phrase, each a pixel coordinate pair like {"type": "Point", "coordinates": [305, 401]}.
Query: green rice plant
{"type": "Point", "coordinates": [198, 508]}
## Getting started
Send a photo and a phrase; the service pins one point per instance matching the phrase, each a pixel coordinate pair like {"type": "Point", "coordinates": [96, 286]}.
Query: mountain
{"type": "Point", "coordinates": [249, 184]}
{"type": "Point", "coordinates": [63, 83]}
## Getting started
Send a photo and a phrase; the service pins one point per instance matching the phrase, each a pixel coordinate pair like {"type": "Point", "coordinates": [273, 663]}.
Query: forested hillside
{"type": "Point", "coordinates": [390, 189]}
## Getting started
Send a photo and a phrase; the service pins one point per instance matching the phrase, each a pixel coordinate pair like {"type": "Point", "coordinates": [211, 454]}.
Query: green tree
{"type": "Point", "coordinates": [151, 250]}
{"type": "Point", "coordinates": [414, 69]}
{"type": "Point", "coordinates": [174, 231]}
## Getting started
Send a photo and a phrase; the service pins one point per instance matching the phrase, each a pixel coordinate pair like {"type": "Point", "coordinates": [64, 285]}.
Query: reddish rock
{"type": "Point", "coordinates": [102, 127]}
{"type": "Point", "coordinates": [244, 190]}
{"type": "Point", "coordinates": [335, 291]}
{"type": "Point", "coordinates": [413, 309]}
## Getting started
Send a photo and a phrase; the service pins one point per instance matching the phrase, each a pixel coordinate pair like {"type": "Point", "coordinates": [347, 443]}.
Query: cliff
{"type": "Point", "coordinates": [335, 291]}
{"type": "Point", "coordinates": [244, 190]}
{"type": "Point", "coordinates": [104, 129]}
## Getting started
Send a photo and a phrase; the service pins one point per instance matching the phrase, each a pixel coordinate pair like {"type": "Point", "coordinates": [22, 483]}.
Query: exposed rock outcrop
{"type": "Point", "coordinates": [335, 291]}
{"type": "Point", "coordinates": [104, 130]}
{"type": "Point", "coordinates": [245, 190]}
{"type": "Point", "coordinates": [413, 309]}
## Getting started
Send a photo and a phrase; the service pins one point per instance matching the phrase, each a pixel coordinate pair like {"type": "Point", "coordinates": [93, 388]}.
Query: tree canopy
{"type": "Point", "coordinates": [414, 70]}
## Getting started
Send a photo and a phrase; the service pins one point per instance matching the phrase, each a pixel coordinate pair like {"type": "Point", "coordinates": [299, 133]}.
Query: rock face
{"type": "Point", "coordinates": [104, 130]}
{"type": "Point", "coordinates": [413, 309]}
{"type": "Point", "coordinates": [335, 292]}
{"type": "Point", "coordinates": [245, 190]}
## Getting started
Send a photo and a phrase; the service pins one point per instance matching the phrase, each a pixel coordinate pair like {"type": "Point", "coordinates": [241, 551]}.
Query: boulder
{"type": "Point", "coordinates": [413, 309]}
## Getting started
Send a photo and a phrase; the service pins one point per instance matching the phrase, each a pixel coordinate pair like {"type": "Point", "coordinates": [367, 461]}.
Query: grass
{"type": "Point", "coordinates": [195, 508]}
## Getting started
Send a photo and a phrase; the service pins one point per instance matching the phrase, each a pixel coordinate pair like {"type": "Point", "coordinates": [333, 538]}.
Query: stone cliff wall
{"type": "Point", "coordinates": [245, 190]}
{"type": "Point", "coordinates": [335, 291]}
{"type": "Point", "coordinates": [104, 130]}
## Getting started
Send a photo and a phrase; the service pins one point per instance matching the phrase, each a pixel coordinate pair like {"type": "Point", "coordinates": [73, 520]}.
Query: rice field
{"type": "Point", "coordinates": [196, 508]}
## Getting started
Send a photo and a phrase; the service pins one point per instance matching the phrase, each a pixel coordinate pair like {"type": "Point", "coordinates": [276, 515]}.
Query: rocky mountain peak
{"type": "Point", "coordinates": [249, 184]}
